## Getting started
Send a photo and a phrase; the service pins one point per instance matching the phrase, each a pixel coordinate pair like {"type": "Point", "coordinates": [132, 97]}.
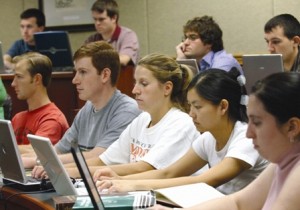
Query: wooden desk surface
{"type": "Point", "coordinates": [16, 200]}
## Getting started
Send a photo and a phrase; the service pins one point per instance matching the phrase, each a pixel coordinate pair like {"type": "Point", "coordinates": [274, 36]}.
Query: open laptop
{"type": "Point", "coordinates": [55, 45]}
{"type": "Point", "coordinates": [258, 66]}
{"type": "Point", "coordinates": [11, 164]}
{"type": "Point", "coordinates": [56, 172]}
{"type": "Point", "coordinates": [98, 201]}
{"type": "Point", "coordinates": [192, 63]}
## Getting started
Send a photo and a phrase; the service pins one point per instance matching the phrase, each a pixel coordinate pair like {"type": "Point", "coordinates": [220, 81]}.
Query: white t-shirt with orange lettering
{"type": "Point", "coordinates": [160, 145]}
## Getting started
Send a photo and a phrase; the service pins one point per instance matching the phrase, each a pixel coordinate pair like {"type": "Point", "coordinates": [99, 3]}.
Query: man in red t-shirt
{"type": "Point", "coordinates": [32, 76]}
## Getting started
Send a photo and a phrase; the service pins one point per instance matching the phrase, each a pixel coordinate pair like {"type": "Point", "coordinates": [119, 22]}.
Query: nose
{"type": "Point", "coordinates": [24, 29]}
{"type": "Point", "coordinates": [135, 90]}
{"type": "Point", "coordinates": [271, 48]}
{"type": "Point", "coordinates": [192, 113]}
{"type": "Point", "coordinates": [13, 83]}
{"type": "Point", "coordinates": [75, 79]}
{"type": "Point", "coordinates": [97, 22]}
{"type": "Point", "coordinates": [186, 41]}
{"type": "Point", "coordinates": [249, 132]}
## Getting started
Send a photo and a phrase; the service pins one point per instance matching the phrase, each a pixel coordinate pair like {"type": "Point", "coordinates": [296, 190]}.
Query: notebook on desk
{"type": "Point", "coordinates": [55, 45]}
{"type": "Point", "coordinates": [11, 164]}
{"type": "Point", "coordinates": [53, 166]}
{"type": "Point", "coordinates": [258, 66]}
{"type": "Point", "coordinates": [131, 200]}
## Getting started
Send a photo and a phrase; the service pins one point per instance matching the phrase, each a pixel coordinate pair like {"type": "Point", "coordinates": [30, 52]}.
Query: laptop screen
{"type": "Point", "coordinates": [10, 159]}
{"type": "Point", "coordinates": [52, 165]}
{"type": "Point", "coordinates": [191, 63]}
{"type": "Point", "coordinates": [130, 200]}
{"type": "Point", "coordinates": [87, 178]}
{"type": "Point", "coordinates": [55, 45]}
{"type": "Point", "coordinates": [258, 66]}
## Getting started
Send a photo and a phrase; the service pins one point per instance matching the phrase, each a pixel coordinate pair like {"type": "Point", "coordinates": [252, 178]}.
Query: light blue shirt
{"type": "Point", "coordinates": [220, 60]}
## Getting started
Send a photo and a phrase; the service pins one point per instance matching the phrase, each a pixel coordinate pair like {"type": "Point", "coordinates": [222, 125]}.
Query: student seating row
{"type": "Point", "coordinates": [63, 93]}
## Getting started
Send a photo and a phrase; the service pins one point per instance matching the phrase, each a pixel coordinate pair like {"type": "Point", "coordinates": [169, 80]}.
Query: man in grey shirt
{"type": "Point", "coordinates": [107, 111]}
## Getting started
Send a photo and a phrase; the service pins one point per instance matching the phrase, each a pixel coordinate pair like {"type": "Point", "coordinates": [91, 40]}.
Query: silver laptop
{"type": "Point", "coordinates": [53, 166]}
{"type": "Point", "coordinates": [192, 63]}
{"type": "Point", "coordinates": [11, 164]}
{"type": "Point", "coordinates": [258, 66]}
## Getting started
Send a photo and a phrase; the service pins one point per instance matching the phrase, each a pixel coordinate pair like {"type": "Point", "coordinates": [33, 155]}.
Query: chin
{"type": "Point", "coordinates": [82, 98]}
{"type": "Point", "coordinates": [21, 97]}
{"type": "Point", "coordinates": [201, 130]}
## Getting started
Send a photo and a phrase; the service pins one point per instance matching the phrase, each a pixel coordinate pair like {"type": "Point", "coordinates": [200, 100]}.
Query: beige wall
{"type": "Point", "coordinates": [158, 23]}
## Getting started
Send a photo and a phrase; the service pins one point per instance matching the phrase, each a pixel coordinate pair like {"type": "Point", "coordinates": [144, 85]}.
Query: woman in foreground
{"type": "Point", "coordinates": [274, 125]}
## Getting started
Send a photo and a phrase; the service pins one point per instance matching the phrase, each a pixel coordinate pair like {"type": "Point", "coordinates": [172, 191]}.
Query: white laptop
{"type": "Point", "coordinates": [192, 63]}
{"type": "Point", "coordinates": [258, 66]}
{"type": "Point", "coordinates": [53, 166]}
{"type": "Point", "coordinates": [11, 164]}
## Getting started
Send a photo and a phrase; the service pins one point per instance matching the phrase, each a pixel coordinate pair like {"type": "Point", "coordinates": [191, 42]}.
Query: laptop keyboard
{"type": "Point", "coordinates": [32, 179]}
{"type": "Point", "coordinates": [80, 187]}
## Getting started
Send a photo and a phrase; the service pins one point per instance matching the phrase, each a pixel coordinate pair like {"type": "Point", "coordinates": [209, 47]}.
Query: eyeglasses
{"type": "Point", "coordinates": [191, 37]}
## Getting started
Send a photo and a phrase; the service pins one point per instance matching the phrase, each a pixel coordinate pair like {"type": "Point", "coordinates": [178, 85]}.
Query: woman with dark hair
{"type": "Point", "coordinates": [218, 107]}
{"type": "Point", "coordinates": [274, 125]}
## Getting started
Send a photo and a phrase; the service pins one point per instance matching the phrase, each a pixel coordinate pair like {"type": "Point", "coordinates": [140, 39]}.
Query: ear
{"type": "Point", "coordinates": [224, 104]}
{"type": "Point", "coordinates": [208, 47]}
{"type": "Point", "coordinates": [38, 79]}
{"type": "Point", "coordinates": [41, 28]}
{"type": "Point", "coordinates": [105, 75]}
{"type": "Point", "coordinates": [293, 128]}
{"type": "Point", "coordinates": [296, 39]}
{"type": "Point", "coordinates": [168, 87]}
{"type": "Point", "coordinates": [114, 18]}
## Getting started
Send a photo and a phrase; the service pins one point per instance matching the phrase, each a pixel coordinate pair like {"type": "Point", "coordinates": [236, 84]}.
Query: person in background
{"type": "Point", "coordinates": [274, 126]}
{"type": "Point", "coordinates": [32, 21]}
{"type": "Point", "coordinates": [219, 112]}
{"type": "Point", "coordinates": [107, 111]}
{"type": "Point", "coordinates": [106, 16]}
{"type": "Point", "coordinates": [203, 41]}
{"type": "Point", "coordinates": [3, 96]}
{"type": "Point", "coordinates": [31, 80]}
{"type": "Point", "coordinates": [282, 34]}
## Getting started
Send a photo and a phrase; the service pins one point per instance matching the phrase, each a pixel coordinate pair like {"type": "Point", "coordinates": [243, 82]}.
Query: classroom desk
{"type": "Point", "coordinates": [63, 93]}
{"type": "Point", "coordinates": [40, 201]}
